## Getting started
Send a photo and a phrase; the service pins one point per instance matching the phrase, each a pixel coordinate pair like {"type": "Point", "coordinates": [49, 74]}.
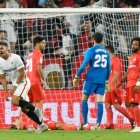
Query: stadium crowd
{"type": "Point", "coordinates": [65, 3]}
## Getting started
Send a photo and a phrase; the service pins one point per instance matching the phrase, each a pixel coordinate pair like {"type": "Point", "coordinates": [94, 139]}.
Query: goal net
{"type": "Point", "coordinates": [68, 33]}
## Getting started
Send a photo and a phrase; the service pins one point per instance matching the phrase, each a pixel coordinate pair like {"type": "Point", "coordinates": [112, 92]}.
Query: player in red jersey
{"type": "Point", "coordinates": [34, 72]}
{"type": "Point", "coordinates": [132, 77]}
{"type": "Point", "coordinates": [52, 125]}
{"type": "Point", "coordinates": [114, 96]}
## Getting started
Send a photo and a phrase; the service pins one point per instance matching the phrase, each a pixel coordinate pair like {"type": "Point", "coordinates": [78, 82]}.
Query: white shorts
{"type": "Point", "coordinates": [23, 89]}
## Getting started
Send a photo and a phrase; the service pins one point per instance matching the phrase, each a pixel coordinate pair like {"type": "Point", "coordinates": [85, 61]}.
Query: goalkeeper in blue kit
{"type": "Point", "coordinates": [99, 71]}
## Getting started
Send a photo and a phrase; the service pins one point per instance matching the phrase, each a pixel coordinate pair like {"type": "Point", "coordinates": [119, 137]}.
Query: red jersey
{"type": "Point", "coordinates": [115, 66]}
{"type": "Point", "coordinates": [133, 69]}
{"type": "Point", "coordinates": [34, 58]}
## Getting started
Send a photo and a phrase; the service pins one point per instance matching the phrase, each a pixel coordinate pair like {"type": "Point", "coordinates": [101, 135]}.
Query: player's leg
{"type": "Point", "coordinates": [84, 107]}
{"type": "Point", "coordinates": [27, 108]}
{"type": "Point", "coordinates": [109, 113]}
{"type": "Point", "coordinates": [99, 90]}
{"type": "Point", "coordinates": [20, 94]}
{"type": "Point", "coordinates": [117, 101]}
{"type": "Point", "coordinates": [36, 96]}
{"type": "Point", "coordinates": [85, 95]}
{"type": "Point", "coordinates": [136, 109]}
{"type": "Point", "coordinates": [99, 99]}
{"type": "Point", "coordinates": [128, 99]}
{"type": "Point", "coordinates": [126, 113]}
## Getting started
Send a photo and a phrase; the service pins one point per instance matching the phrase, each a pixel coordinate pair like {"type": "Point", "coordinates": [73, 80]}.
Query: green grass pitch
{"type": "Point", "coordinates": [69, 135]}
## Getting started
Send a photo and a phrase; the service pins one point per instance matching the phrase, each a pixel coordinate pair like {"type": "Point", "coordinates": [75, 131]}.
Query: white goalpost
{"type": "Point", "coordinates": [68, 33]}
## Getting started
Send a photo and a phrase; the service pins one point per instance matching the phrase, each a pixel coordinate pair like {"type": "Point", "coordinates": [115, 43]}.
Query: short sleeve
{"type": "Point", "coordinates": [116, 67]}
{"type": "Point", "coordinates": [18, 62]}
{"type": "Point", "coordinates": [1, 70]}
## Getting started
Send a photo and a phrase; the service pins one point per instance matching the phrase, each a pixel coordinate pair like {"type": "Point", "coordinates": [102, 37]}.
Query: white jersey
{"type": "Point", "coordinates": [11, 66]}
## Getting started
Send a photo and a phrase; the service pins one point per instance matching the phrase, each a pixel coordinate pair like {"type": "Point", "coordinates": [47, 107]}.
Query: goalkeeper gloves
{"type": "Point", "coordinates": [75, 80]}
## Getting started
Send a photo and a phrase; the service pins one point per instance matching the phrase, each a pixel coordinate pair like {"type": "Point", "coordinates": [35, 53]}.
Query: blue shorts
{"type": "Point", "coordinates": [90, 88]}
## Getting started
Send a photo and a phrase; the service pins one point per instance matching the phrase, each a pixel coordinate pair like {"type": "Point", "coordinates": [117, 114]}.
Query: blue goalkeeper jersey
{"type": "Point", "coordinates": [99, 65]}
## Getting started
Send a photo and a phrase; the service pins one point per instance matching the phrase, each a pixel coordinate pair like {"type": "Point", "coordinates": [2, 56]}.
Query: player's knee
{"type": "Point", "coordinates": [15, 101]}
{"type": "Point", "coordinates": [84, 97]}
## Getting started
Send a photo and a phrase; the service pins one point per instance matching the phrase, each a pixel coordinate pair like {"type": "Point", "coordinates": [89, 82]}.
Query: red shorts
{"type": "Point", "coordinates": [35, 93]}
{"type": "Point", "coordinates": [114, 97]}
{"type": "Point", "coordinates": [69, 127]}
{"type": "Point", "coordinates": [132, 97]}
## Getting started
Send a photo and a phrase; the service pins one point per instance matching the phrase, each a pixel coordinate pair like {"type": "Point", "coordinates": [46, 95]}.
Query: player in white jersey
{"type": "Point", "coordinates": [11, 65]}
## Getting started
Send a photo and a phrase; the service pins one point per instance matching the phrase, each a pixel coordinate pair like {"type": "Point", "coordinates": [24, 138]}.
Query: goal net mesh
{"type": "Point", "coordinates": [68, 36]}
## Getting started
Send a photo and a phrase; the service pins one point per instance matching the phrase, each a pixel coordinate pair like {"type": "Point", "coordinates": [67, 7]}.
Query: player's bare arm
{"type": "Point", "coordinates": [40, 72]}
{"type": "Point", "coordinates": [113, 81]}
{"type": "Point", "coordinates": [4, 84]}
{"type": "Point", "coordinates": [122, 80]}
{"type": "Point", "coordinates": [19, 79]}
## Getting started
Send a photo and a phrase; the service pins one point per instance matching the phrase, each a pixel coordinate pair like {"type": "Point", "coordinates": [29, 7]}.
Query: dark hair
{"type": "Point", "coordinates": [3, 31]}
{"type": "Point", "coordinates": [3, 43]}
{"type": "Point", "coordinates": [98, 37]}
{"type": "Point", "coordinates": [135, 39]}
{"type": "Point", "coordinates": [110, 48]}
{"type": "Point", "coordinates": [38, 39]}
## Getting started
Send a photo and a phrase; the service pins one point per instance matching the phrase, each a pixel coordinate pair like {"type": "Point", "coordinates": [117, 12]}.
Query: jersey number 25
{"type": "Point", "coordinates": [100, 61]}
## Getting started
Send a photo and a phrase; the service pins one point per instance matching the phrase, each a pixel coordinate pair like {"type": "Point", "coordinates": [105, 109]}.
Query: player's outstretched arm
{"type": "Point", "coordinates": [4, 84]}
{"type": "Point", "coordinates": [81, 69]}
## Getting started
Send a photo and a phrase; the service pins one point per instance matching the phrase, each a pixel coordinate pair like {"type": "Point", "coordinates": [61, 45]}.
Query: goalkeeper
{"type": "Point", "coordinates": [99, 70]}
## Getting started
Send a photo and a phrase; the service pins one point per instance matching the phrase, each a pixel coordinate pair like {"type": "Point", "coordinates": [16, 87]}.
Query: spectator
{"type": "Point", "coordinates": [8, 26]}
{"type": "Point", "coordinates": [66, 3]}
{"type": "Point", "coordinates": [31, 3]}
{"type": "Point", "coordinates": [3, 4]}
{"type": "Point", "coordinates": [13, 4]}
{"type": "Point", "coordinates": [47, 3]}
{"type": "Point", "coordinates": [85, 38]}
{"type": "Point", "coordinates": [65, 52]}
{"type": "Point", "coordinates": [28, 45]}
{"type": "Point", "coordinates": [3, 36]}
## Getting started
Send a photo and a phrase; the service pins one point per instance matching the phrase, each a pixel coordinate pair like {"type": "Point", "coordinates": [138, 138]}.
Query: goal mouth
{"type": "Point", "coordinates": [75, 27]}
